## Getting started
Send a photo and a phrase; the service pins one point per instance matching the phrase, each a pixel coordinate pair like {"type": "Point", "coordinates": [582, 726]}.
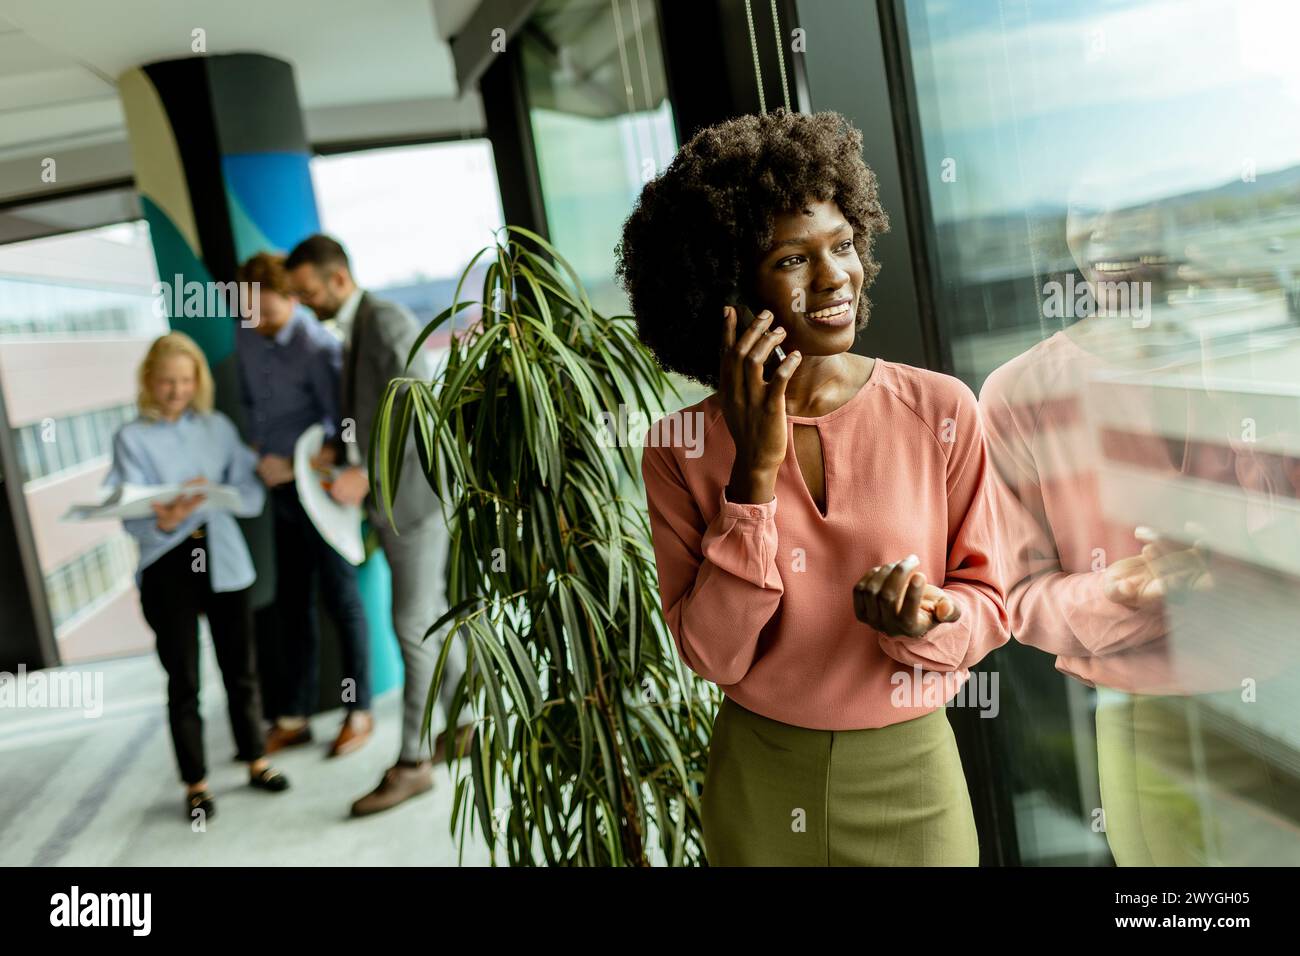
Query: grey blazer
{"type": "Point", "coordinates": [382, 336]}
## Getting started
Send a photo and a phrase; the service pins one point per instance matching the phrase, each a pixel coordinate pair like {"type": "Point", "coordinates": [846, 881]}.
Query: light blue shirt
{"type": "Point", "coordinates": [149, 452]}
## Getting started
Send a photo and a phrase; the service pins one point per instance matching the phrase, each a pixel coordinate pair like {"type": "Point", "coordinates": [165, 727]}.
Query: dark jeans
{"type": "Point", "coordinates": [304, 562]}
{"type": "Point", "coordinates": [173, 595]}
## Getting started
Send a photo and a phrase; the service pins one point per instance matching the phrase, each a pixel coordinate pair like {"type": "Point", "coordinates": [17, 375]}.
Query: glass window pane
{"type": "Point", "coordinates": [602, 127]}
{"type": "Point", "coordinates": [1115, 241]}
{"type": "Point", "coordinates": [95, 287]}
{"type": "Point", "coordinates": [392, 205]}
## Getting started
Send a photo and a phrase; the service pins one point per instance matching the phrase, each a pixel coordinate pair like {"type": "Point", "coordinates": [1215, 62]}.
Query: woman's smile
{"type": "Point", "coordinates": [834, 316]}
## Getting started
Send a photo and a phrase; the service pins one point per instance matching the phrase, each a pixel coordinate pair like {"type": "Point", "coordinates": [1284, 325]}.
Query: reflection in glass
{"type": "Point", "coordinates": [1116, 236]}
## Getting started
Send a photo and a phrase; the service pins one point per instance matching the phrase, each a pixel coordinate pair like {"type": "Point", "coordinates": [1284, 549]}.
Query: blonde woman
{"type": "Point", "coordinates": [193, 558]}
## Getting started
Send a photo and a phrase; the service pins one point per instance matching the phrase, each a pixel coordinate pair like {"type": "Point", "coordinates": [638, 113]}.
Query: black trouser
{"type": "Point", "coordinates": [304, 561]}
{"type": "Point", "coordinates": [173, 594]}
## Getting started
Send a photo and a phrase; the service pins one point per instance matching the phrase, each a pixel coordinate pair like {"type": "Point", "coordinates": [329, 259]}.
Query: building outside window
{"type": "Point", "coordinates": [77, 314]}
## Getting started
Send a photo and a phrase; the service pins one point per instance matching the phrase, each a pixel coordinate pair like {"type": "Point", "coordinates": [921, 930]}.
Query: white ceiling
{"type": "Point", "coordinates": [358, 62]}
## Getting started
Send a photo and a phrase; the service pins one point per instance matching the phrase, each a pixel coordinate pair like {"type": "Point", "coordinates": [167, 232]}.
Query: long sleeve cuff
{"type": "Point", "coordinates": [252, 500]}
{"type": "Point", "coordinates": [149, 537]}
{"type": "Point", "coordinates": [736, 590]}
{"type": "Point", "coordinates": [1105, 627]}
{"type": "Point", "coordinates": [944, 646]}
{"type": "Point", "coordinates": [742, 541]}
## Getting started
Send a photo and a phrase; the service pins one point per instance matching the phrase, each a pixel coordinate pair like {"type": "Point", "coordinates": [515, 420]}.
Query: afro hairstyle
{"type": "Point", "coordinates": [697, 231]}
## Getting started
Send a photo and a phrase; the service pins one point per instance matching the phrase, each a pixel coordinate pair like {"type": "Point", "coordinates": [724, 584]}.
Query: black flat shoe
{"type": "Point", "coordinates": [201, 800]}
{"type": "Point", "coordinates": [270, 780]}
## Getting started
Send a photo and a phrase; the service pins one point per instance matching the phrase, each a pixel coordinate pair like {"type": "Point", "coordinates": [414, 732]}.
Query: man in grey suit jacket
{"type": "Point", "coordinates": [377, 338]}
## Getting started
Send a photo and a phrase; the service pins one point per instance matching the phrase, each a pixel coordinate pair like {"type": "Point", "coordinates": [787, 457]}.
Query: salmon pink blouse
{"type": "Point", "coordinates": [759, 597]}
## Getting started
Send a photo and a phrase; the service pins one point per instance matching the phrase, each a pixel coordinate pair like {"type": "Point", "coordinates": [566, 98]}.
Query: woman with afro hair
{"type": "Point", "coordinates": [825, 545]}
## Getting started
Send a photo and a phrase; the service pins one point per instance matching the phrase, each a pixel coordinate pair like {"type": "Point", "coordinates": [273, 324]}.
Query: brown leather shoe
{"type": "Point", "coordinates": [356, 730]}
{"type": "Point", "coordinates": [463, 734]}
{"type": "Point", "coordinates": [277, 738]}
{"type": "Point", "coordinates": [400, 783]}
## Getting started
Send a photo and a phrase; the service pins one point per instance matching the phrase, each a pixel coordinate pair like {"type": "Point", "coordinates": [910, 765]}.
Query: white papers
{"type": "Point", "coordinates": [339, 525]}
{"type": "Point", "coordinates": [137, 501]}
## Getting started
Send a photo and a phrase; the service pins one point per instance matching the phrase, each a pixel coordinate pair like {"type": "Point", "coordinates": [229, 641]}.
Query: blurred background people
{"type": "Point", "coordinates": [193, 559]}
{"type": "Point", "coordinates": [378, 337]}
{"type": "Point", "coordinates": [289, 376]}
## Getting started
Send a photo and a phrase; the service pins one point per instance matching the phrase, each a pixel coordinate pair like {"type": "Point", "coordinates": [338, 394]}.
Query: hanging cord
{"type": "Point", "coordinates": [640, 53]}
{"type": "Point", "coordinates": [753, 48]}
{"type": "Point", "coordinates": [651, 129]}
{"type": "Point", "coordinates": [629, 88]}
{"type": "Point", "coordinates": [642, 123]}
{"type": "Point", "coordinates": [622, 56]}
{"type": "Point", "coordinates": [780, 55]}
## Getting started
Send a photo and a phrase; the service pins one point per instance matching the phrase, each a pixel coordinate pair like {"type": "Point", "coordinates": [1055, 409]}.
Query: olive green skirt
{"type": "Point", "coordinates": [779, 795]}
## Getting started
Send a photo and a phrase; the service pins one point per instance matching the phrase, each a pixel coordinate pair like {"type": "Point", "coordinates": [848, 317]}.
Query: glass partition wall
{"type": "Point", "coordinates": [1113, 229]}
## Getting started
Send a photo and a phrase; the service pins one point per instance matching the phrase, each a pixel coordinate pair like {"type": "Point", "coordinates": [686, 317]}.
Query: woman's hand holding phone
{"type": "Point", "coordinates": [754, 408]}
{"type": "Point", "coordinates": [745, 319]}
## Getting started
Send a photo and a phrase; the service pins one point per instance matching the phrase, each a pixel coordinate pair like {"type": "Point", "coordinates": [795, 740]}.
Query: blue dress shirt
{"type": "Point", "coordinates": [149, 452]}
{"type": "Point", "coordinates": [289, 382]}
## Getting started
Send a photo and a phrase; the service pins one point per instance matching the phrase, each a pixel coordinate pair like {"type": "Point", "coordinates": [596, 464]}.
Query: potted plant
{"type": "Point", "coordinates": [590, 735]}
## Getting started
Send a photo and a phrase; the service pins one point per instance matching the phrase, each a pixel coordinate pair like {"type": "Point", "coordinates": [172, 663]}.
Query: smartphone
{"type": "Point", "coordinates": [744, 319]}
